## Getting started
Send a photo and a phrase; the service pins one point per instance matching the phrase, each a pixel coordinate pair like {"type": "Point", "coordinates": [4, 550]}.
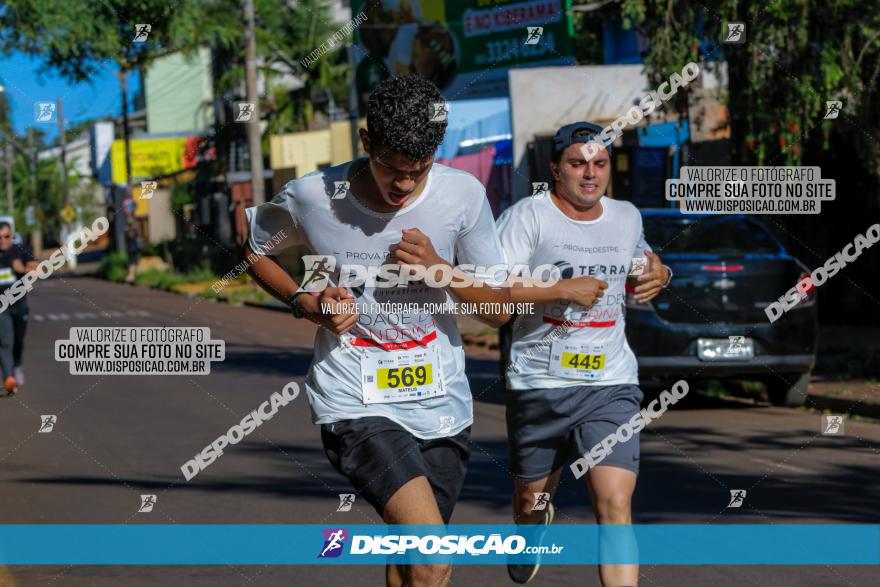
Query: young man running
{"type": "Point", "coordinates": [573, 378]}
{"type": "Point", "coordinates": [393, 402]}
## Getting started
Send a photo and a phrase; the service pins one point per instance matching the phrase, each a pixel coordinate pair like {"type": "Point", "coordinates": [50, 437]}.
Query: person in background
{"type": "Point", "coordinates": [134, 246]}
{"type": "Point", "coordinates": [15, 261]}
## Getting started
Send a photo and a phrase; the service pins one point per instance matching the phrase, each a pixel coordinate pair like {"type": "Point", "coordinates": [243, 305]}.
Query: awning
{"type": "Point", "coordinates": [472, 122]}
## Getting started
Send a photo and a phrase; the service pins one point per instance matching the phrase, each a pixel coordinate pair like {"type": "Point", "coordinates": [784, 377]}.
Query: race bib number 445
{"type": "Point", "coordinates": [577, 361]}
{"type": "Point", "coordinates": [400, 376]}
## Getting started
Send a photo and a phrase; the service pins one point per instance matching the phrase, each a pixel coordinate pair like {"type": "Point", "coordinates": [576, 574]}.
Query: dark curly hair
{"type": "Point", "coordinates": [399, 116]}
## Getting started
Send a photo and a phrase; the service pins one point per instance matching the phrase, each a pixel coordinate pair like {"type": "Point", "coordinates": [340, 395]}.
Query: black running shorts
{"type": "Point", "coordinates": [378, 456]}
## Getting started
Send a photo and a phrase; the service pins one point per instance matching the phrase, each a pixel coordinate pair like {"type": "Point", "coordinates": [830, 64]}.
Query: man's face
{"type": "Point", "coordinates": [579, 181]}
{"type": "Point", "coordinates": [395, 175]}
{"type": "Point", "coordinates": [5, 239]}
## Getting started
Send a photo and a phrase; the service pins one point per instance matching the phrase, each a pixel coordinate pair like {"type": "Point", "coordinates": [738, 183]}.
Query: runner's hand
{"type": "Point", "coordinates": [416, 252]}
{"type": "Point", "coordinates": [584, 291]}
{"type": "Point", "coordinates": [651, 282]}
{"type": "Point", "coordinates": [334, 309]}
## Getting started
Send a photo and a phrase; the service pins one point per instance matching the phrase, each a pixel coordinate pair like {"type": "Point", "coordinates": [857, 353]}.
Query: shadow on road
{"type": "Point", "coordinates": [265, 360]}
{"type": "Point", "coordinates": [675, 488]}
{"type": "Point", "coordinates": [687, 472]}
{"type": "Point", "coordinates": [285, 470]}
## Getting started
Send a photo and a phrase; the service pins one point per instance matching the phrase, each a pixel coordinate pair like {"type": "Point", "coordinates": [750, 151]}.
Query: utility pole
{"type": "Point", "coordinates": [353, 107]}
{"type": "Point", "coordinates": [256, 149]}
{"type": "Point", "coordinates": [120, 217]}
{"type": "Point", "coordinates": [8, 156]}
{"type": "Point", "coordinates": [62, 139]}
{"type": "Point", "coordinates": [36, 234]}
{"type": "Point", "coordinates": [125, 136]}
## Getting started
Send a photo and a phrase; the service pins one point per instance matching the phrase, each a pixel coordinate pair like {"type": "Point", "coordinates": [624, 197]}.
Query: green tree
{"type": "Point", "coordinates": [78, 37]}
{"type": "Point", "coordinates": [286, 33]}
{"type": "Point", "coordinates": [48, 190]}
{"type": "Point", "coordinates": [588, 50]}
{"type": "Point", "coordinates": [798, 56]}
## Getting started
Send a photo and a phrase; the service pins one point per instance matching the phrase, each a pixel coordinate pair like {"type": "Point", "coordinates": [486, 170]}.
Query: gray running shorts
{"type": "Point", "coordinates": [547, 428]}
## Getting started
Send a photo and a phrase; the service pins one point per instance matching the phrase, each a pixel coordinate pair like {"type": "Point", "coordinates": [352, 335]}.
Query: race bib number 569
{"type": "Point", "coordinates": [399, 376]}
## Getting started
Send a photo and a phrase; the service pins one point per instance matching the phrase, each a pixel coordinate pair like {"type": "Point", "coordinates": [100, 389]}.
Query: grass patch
{"type": "Point", "coordinates": [113, 267]}
{"type": "Point", "coordinates": [165, 280]}
{"type": "Point", "coordinates": [714, 388]}
{"type": "Point", "coordinates": [838, 391]}
{"type": "Point", "coordinates": [254, 294]}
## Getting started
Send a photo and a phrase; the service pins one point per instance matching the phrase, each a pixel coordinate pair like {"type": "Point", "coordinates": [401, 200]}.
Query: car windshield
{"type": "Point", "coordinates": [713, 235]}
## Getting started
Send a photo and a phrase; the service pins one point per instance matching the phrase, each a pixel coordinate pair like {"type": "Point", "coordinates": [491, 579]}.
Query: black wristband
{"type": "Point", "coordinates": [294, 308]}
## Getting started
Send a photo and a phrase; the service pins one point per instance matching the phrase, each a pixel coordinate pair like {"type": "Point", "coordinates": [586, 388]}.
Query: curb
{"type": "Point", "coordinates": [843, 406]}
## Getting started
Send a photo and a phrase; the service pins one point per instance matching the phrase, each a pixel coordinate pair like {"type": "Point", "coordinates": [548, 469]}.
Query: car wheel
{"type": "Point", "coordinates": [788, 389]}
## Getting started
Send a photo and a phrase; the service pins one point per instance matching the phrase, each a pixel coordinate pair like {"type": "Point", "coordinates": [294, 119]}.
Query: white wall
{"type": "Point", "coordinates": [542, 99]}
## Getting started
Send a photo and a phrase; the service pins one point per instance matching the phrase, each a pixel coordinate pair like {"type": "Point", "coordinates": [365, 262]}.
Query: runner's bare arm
{"type": "Point", "coordinates": [416, 251]}
{"type": "Point", "coordinates": [480, 294]}
{"type": "Point", "coordinates": [269, 275]}
{"type": "Point", "coordinates": [334, 309]}
{"type": "Point", "coordinates": [584, 291]}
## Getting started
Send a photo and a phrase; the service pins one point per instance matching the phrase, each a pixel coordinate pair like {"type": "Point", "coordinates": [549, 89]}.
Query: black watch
{"type": "Point", "coordinates": [295, 309]}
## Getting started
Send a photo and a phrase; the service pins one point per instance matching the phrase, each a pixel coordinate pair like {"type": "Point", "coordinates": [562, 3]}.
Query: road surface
{"type": "Point", "coordinates": [118, 437]}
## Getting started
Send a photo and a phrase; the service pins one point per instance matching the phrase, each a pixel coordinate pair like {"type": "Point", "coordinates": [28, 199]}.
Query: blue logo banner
{"type": "Point", "coordinates": [563, 544]}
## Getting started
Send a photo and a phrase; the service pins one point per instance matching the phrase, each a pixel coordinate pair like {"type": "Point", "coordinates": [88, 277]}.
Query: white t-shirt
{"type": "Point", "coordinates": [534, 232]}
{"type": "Point", "coordinates": [454, 213]}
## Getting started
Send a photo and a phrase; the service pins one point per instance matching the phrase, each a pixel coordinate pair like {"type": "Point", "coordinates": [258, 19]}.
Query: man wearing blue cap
{"type": "Point", "coordinates": [573, 379]}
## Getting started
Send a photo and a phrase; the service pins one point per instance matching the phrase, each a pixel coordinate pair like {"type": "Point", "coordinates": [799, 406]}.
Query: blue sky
{"type": "Point", "coordinates": [97, 97]}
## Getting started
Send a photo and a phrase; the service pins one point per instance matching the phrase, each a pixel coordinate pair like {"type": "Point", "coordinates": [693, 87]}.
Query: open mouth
{"type": "Point", "coordinates": [397, 197]}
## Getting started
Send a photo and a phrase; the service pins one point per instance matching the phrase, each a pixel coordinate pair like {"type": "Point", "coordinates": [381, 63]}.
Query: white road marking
{"type": "Point", "coordinates": [61, 317]}
{"type": "Point", "coordinates": [781, 465]}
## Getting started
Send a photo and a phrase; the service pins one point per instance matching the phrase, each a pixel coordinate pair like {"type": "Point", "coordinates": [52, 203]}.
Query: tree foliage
{"type": "Point", "coordinates": [78, 37]}
{"type": "Point", "coordinates": [797, 56]}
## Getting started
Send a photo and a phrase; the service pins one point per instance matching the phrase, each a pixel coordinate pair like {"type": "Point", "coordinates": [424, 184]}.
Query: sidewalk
{"type": "Point", "coordinates": [853, 396]}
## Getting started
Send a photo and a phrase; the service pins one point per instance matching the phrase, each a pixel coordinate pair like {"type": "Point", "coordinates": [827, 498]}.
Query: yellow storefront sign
{"type": "Point", "coordinates": [142, 204]}
{"type": "Point", "coordinates": [149, 158]}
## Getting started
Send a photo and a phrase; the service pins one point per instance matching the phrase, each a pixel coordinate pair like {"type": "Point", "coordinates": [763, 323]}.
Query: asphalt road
{"type": "Point", "coordinates": [118, 437]}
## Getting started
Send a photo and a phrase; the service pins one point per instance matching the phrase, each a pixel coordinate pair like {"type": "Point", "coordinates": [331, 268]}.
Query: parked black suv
{"type": "Point", "coordinates": [710, 321]}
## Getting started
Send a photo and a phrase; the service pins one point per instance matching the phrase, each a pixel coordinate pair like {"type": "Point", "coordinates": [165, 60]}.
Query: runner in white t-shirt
{"type": "Point", "coordinates": [572, 378]}
{"type": "Point", "coordinates": [387, 386]}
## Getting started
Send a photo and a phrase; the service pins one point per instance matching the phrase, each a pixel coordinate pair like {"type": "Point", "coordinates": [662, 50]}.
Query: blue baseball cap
{"type": "Point", "coordinates": [565, 136]}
